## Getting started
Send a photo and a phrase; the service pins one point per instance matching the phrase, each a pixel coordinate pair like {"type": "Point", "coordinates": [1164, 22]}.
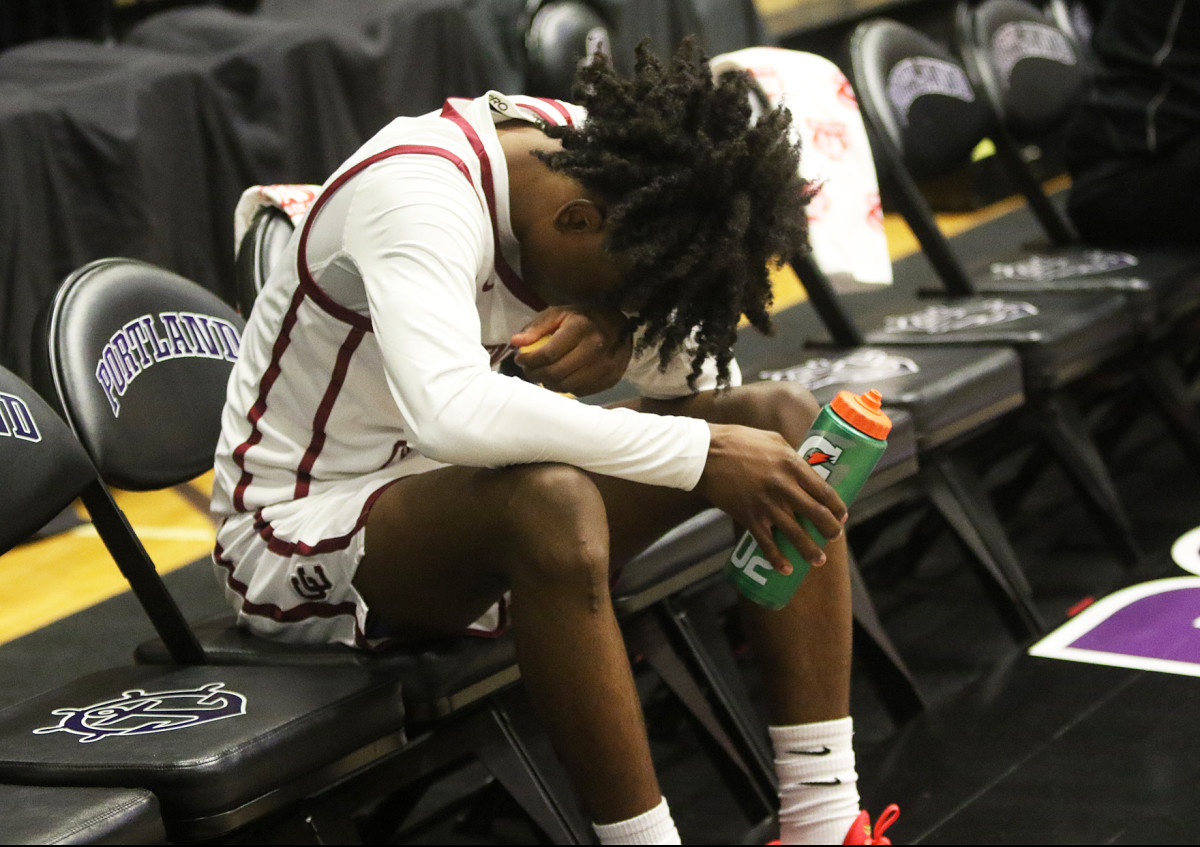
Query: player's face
{"type": "Point", "coordinates": [574, 275]}
{"type": "Point", "coordinates": [565, 260]}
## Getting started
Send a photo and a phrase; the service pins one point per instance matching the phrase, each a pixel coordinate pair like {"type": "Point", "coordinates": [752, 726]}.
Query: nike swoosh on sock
{"type": "Point", "coordinates": [824, 751]}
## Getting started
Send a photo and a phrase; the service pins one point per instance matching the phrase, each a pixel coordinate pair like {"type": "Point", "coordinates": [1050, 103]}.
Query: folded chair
{"type": "Point", "coordinates": [557, 35]}
{"type": "Point", "coordinates": [139, 359]}
{"type": "Point", "coordinates": [923, 117]}
{"type": "Point", "coordinates": [220, 748]}
{"type": "Point", "coordinates": [38, 814]}
{"type": "Point", "coordinates": [263, 242]}
{"type": "Point", "coordinates": [1031, 75]}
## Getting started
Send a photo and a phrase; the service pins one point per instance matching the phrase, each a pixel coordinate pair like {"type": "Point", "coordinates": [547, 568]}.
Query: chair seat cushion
{"type": "Point", "coordinates": [1163, 284]}
{"type": "Point", "coordinates": [1058, 338]}
{"type": "Point", "coordinates": [688, 553]}
{"type": "Point", "coordinates": [948, 389]}
{"type": "Point", "coordinates": [435, 677]}
{"type": "Point", "coordinates": [213, 743]}
{"type": "Point", "coordinates": [37, 814]}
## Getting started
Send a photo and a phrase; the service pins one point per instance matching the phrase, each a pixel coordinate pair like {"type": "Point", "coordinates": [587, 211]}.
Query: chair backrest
{"type": "Point", "coordinates": [924, 119]}
{"type": "Point", "coordinates": [558, 36]}
{"type": "Point", "coordinates": [46, 466]}
{"type": "Point", "coordinates": [916, 98]}
{"type": "Point", "coordinates": [139, 358]}
{"type": "Point", "coordinates": [1078, 19]}
{"type": "Point", "coordinates": [1028, 69]}
{"type": "Point", "coordinates": [260, 248]}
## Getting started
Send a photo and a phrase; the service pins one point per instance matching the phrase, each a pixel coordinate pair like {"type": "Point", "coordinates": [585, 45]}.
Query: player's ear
{"type": "Point", "coordinates": [579, 216]}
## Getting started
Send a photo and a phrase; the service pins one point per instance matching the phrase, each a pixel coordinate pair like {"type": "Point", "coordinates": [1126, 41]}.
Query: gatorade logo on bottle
{"type": "Point", "coordinates": [820, 454]}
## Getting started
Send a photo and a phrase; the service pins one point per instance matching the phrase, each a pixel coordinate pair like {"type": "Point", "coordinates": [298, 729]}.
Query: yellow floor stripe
{"type": "Point", "coordinates": [49, 579]}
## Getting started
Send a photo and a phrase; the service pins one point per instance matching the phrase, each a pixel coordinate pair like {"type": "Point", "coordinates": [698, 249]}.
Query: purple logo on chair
{"type": "Point", "coordinates": [138, 712]}
{"type": "Point", "coordinates": [1019, 40]}
{"type": "Point", "coordinates": [143, 342]}
{"type": "Point", "coordinates": [1152, 626]}
{"type": "Point", "coordinates": [16, 421]}
{"type": "Point", "coordinates": [917, 76]}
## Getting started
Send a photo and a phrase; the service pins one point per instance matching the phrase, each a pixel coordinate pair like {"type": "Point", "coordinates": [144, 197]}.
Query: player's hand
{"type": "Point", "coordinates": [756, 478]}
{"type": "Point", "coordinates": [583, 352]}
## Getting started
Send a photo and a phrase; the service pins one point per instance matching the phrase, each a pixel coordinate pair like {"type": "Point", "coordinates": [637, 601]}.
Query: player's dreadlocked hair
{"type": "Point", "coordinates": [700, 200]}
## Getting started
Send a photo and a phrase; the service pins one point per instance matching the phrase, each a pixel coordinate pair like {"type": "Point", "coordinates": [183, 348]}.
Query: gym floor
{"type": "Point", "coordinates": [1099, 747]}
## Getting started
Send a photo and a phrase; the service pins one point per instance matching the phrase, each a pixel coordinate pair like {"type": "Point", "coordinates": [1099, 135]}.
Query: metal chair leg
{"type": "Point", "coordinates": [1066, 434]}
{"type": "Point", "coordinates": [960, 497]}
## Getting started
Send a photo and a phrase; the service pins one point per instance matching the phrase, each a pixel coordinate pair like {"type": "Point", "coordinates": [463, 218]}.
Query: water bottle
{"type": "Point", "coordinates": [843, 447]}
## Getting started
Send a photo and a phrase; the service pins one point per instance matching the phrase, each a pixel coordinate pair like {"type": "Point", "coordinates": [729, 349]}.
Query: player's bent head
{"type": "Point", "coordinates": [701, 200]}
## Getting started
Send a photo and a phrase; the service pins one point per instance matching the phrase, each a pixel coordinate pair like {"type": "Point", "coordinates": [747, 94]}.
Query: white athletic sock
{"type": "Point", "coordinates": [653, 827]}
{"type": "Point", "coordinates": [818, 786]}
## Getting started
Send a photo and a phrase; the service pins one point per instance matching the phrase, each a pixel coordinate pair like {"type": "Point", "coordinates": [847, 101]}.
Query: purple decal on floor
{"type": "Point", "coordinates": [1161, 626]}
{"type": "Point", "coordinates": [1151, 626]}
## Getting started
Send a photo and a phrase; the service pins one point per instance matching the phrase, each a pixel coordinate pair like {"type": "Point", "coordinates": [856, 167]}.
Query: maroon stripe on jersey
{"type": "Point", "coordinates": [307, 283]}
{"type": "Point", "coordinates": [295, 614]}
{"type": "Point", "coordinates": [324, 409]}
{"type": "Point", "coordinates": [563, 110]}
{"type": "Point", "coordinates": [504, 270]}
{"type": "Point", "coordinates": [542, 116]}
{"type": "Point", "coordinates": [282, 340]}
{"type": "Point", "coordinates": [280, 547]}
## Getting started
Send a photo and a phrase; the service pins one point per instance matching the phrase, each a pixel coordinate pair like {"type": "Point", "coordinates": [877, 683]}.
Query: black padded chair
{"type": "Point", "coordinates": [558, 35]}
{"type": "Point", "coordinates": [261, 245]}
{"type": "Point", "coordinates": [38, 814]}
{"type": "Point", "coordinates": [120, 410]}
{"type": "Point", "coordinates": [220, 748]}
{"type": "Point", "coordinates": [1032, 95]}
{"type": "Point", "coordinates": [923, 118]}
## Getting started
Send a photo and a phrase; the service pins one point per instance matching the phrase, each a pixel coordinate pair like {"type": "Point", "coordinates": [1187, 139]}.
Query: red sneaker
{"type": "Point", "coordinates": [861, 831]}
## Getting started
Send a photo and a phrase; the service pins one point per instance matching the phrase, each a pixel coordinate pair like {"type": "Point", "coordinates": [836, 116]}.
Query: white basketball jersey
{"type": "Point", "coordinates": [373, 349]}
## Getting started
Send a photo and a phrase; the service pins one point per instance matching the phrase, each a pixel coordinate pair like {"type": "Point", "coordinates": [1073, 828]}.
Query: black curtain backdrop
{"type": "Point", "coordinates": [141, 146]}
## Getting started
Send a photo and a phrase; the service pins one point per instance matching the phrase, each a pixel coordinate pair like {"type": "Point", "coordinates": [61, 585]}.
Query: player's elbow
{"type": "Point", "coordinates": [449, 442]}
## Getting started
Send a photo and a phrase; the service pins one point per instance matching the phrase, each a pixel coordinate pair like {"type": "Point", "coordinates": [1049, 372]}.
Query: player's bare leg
{"type": "Point", "coordinates": [442, 546]}
{"type": "Point", "coordinates": [804, 649]}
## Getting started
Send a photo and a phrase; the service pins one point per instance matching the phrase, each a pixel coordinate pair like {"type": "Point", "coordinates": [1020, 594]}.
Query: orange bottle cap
{"type": "Point", "coordinates": [863, 412]}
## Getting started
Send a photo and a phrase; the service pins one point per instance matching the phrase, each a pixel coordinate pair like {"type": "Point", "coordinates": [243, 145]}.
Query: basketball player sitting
{"type": "Point", "coordinates": [381, 482]}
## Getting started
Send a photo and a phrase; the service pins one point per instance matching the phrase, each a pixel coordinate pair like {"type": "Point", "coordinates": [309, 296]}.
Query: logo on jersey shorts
{"type": "Point", "coordinates": [1042, 268]}
{"type": "Point", "coordinates": [145, 341]}
{"type": "Point", "coordinates": [820, 454]}
{"type": "Point", "coordinates": [1019, 40]}
{"type": "Point", "coordinates": [866, 365]}
{"type": "Point", "coordinates": [947, 318]}
{"type": "Point", "coordinates": [918, 76]}
{"type": "Point", "coordinates": [311, 586]}
{"type": "Point", "coordinates": [16, 421]}
{"type": "Point", "coordinates": [138, 712]}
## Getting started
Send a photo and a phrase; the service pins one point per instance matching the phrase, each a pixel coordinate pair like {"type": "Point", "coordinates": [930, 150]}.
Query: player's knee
{"type": "Point", "coordinates": [784, 407]}
{"type": "Point", "coordinates": [560, 529]}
